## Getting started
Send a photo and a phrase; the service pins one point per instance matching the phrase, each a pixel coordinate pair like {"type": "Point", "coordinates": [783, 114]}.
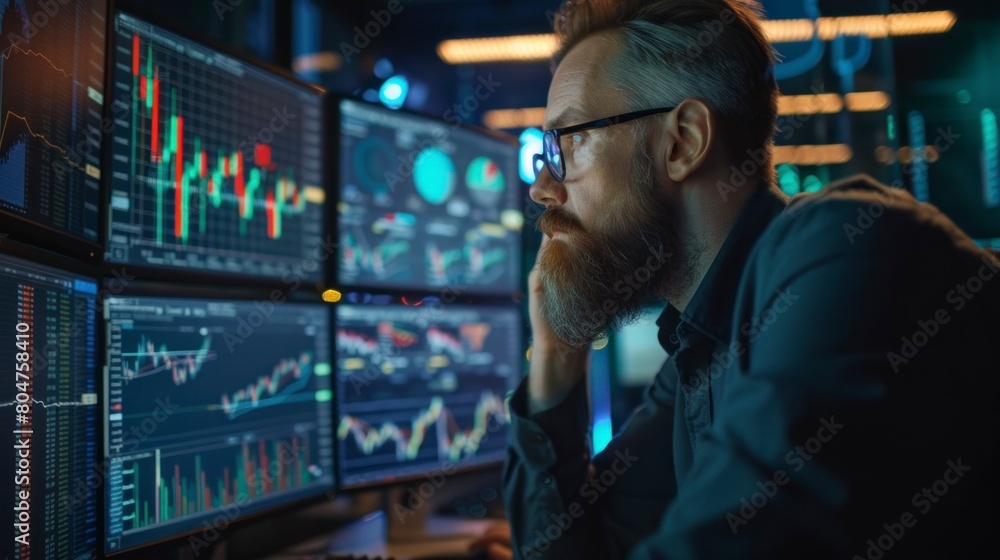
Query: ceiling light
{"type": "Point", "coordinates": [863, 101]}
{"type": "Point", "coordinates": [827, 154]}
{"type": "Point", "coordinates": [535, 48]}
{"type": "Point", "coordinates": [518, 48]}
{"type": "Point", "coordinates": [818, 104]}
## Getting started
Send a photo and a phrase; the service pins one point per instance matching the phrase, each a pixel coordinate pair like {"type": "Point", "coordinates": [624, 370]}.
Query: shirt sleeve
{"type": "Point", "coordinates": [562, 502]}
{"type": "Point", "coordinates": [548, 458]}
{"type": "Point", "coordinates": [554, 442]}
{"type": "Point", "coordinates": [831, 423]}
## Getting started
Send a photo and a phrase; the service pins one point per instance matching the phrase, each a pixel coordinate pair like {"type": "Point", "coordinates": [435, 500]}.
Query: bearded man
{"type": "Point", "coordinates": [832, 375]}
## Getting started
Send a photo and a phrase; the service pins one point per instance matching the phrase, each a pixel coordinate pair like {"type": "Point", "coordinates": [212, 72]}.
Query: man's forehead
{"type": "Point", "coordinates": [579, 91]}
{"type": "Point", "coordinates": [566, 116]}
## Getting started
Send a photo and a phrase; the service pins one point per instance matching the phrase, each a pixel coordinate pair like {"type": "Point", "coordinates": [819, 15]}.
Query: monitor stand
{"type": "Point", "coordinates": [410, 517]}
{"type": "Point", "coordinates": [405, 526]}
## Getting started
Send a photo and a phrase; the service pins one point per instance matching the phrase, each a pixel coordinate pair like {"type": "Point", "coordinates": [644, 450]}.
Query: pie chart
{"type": "Point", "coordinates": [485, 181]}
{"type": "Point", "coordinates": [373, 158]}
{"type": "Point", "coordinates": [434, 176]}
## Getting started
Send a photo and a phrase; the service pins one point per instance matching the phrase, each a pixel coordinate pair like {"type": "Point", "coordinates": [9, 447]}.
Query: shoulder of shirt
{"type": "Point", "coordinates": [854, 216]}
{"type": "Point", "coordinates": [860, 194]}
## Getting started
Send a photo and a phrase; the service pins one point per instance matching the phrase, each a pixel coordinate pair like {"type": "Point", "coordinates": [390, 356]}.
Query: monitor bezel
{"type": "Point", "coordinates": [45, 257]}
{"type": "Point", "coordinates": [334, 111]}
{"type": "Point", "coordinates": [134, 8]}
{"type": "Point", "coordinates": [388, 482]}
{"type": "Point", "coordinates": [159, 289]}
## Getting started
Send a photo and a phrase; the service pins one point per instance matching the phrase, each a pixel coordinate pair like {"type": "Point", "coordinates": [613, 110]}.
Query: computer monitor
{"type": "Point", "coordinates": [217, 164]}
{"type": "Point", "coordinates": [48, 409]}
{"type": "Point", "coordinates": [51, 96]}
{"type": "Point", "coordinates": [426, 205]}
{"type": "Point", "coordinates": [422, 389]}
{"type": "Point", "coordinates": [214, 408]}
{"type": "Point", "coordinates": [635, 358]}
{"type": "Point", "coordinates": [960, 173]}
{"type": "Point", "coordinates": [637, 350]}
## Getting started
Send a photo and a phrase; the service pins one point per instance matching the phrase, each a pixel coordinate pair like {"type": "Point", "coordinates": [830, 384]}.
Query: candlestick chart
{"type": "Point", "coordinates": [218, 166]}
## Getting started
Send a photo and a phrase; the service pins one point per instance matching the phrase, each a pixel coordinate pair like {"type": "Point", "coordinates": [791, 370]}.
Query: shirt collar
{"type": "Point", "coordinates": [711, 309]}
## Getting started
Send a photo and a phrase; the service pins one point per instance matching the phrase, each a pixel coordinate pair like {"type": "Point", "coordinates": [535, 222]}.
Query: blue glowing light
{"type": "Point", "coordinates": [788, 179]}
{"type": "Point", "coordinates": [531, 144]}
{"type": "Point", "coordinates": [394, 91]}
{"type": "Point", "coordinates": [918, 144]}
{"type": "Point", "coordinates": [812, 184]}
{"type": "Point", "coordinates": [991, 158]}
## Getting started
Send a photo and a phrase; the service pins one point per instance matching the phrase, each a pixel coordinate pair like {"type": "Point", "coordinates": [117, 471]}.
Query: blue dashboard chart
{"type": "Point", "coordinates": [218, 166]}
{"type": "Point", "coordinates": [425, 205]}
{"type": "Point", "coordinates": [419, 388]}
{"type": "Point", "coordinates": [210, 404]}
{"type": "Point", "coordinates": [51, 96]}
{"type": "Point", "coordinates": [48, 411]}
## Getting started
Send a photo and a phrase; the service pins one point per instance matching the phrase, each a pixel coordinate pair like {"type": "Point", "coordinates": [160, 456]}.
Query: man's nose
{"type": "Point", "coordinates": [546, 190]}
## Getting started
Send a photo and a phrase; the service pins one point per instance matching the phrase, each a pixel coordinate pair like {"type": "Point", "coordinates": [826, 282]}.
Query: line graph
{"type": "Point", "coordinates": [51, 96]}
{"type": "Point", "coordinates": [356, 343]}
{"type": "Point", "coordinates": [440, 340]}
{"type": "Point", "coordinates": [396, 335]}
{"type": "Point", "coordinates": [174, 348]}
{"type": "Point", "coordinates": [418, 387]}
{"type": "Point", "coordinates": [453, 441]}
{"type": "Point", "coordinates": [7, 126]}
{"type": "Point", "coordinates": [384, 260]}
{"type": "Point", "coordinates": [85, 400]}
{"type": "Point", "coordinates": [6, 54]}
{"type": "Point", "coordinates": [182, 364]}
{"type": "Point", "coordinates": [286, 379]}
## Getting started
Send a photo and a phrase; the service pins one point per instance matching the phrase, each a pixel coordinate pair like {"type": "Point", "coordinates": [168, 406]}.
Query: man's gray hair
{"type": "Point", "coordinates": [671, 50]}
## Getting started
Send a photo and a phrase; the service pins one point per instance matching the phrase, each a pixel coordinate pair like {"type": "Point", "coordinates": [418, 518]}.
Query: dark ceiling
{"type": "Point", "coordinates": [928, 69]}
{"type": "Point", "coordinates": [923, 65]}
{"type": "Point", "coordinates": [436, 20]}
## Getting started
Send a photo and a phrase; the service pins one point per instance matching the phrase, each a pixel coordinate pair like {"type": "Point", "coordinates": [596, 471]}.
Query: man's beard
{"type": "Point", "coordinates": [600, 279]}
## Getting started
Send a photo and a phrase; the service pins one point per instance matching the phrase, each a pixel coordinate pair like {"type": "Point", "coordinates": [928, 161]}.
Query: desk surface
{"type": "Point", "coordinates": [443, 536]}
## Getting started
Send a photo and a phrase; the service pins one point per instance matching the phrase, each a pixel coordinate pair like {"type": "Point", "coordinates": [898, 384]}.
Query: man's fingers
{"type": "Point", "coordinates": [500, 552]}
{"type": "Point", "coordinates": [490, 538]}
{"type": "Point", "coordinates": [500, 535]}
{"type": "Point", "coordinates": [496, 534]}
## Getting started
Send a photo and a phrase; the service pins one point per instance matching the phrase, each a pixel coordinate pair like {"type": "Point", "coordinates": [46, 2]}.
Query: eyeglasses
{"type": "Point", "coordinates": [552, 153]}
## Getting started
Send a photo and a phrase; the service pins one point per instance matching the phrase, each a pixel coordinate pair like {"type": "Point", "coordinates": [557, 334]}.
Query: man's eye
{"type": "Point", "coordinates": [577, 138]}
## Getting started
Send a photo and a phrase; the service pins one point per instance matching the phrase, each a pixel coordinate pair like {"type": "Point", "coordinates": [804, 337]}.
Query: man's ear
{"type": "Point", "coordinates": [690, 132]}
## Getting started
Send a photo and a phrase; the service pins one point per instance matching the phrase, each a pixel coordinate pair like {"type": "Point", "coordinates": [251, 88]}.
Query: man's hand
{"type": "Point", "coordinates": [555, 366]}
{"type": "Point", "coordinates": [496, 541]}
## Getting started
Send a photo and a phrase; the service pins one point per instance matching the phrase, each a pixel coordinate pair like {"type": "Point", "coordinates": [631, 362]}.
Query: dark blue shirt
{"type": "Point", "coordinates": [830, 392]}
